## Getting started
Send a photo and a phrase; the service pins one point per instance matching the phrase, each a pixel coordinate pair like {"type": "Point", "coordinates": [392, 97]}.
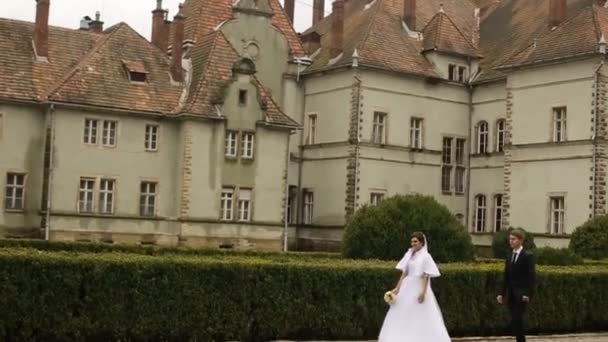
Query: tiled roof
{"type": "Point", "coordinates": [204, 16]}
{"type": "Point", "coordinates": [23, 78]}
{"type": "Point", "coordinates": [376, 31]}
{"type": "Point", "coordinates": [441, 34]}
{"type": "Point", "coordinates": [273, 113]}
{"type": "Point", "coordinates": [100, 79]}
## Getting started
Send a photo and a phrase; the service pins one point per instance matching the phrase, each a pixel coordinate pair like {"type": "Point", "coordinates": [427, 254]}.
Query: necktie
{"type": "Point", "coordinates": [514, 257]}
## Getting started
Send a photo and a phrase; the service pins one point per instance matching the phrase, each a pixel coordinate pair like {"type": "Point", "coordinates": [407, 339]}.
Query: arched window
{"type": "Point", "coordinates": [482, 137]}
{"type": "Point", "coordinates": [480, 214]}
{"type": "Point", "coordinates": [501, 130]}
{"type": "Point", "coordinates": [498, 212]}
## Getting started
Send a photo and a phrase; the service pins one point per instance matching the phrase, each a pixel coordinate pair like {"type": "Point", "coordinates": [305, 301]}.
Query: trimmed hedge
{"type": "Point", "coordinates": [500, 243]}
{"type": "Point", "coordinates": [69, 296]}
{"type": "Point", "coordinates": [557, 256]}
{"type": "Point", "coordinates": [591, 239]}
{"type": "Point", "coordinates": [383, 231]}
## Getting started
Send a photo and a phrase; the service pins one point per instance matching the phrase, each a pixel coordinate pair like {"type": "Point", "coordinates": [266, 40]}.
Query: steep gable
{"type": "Point", "coordinates": [441, 34]}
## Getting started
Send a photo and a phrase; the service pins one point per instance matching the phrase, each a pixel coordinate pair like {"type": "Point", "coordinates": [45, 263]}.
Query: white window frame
{"type": "Point", "coordinates": [227, 204]}
{"type": "Point", "coordinates": [447, 161]}
{"type": "Point", "coordinates": [501, 131]}
{"type": "Point", "coordinates": [151, 137]}
{"type": "Point", "coordinates": [311, 128]}
{"type": "Point", "coordinates": [148, 198]}
{"type": "Point", "coordinates": [416, 133]}
{"type": "Point", "coordinates": [460, 175]}
{"type": "Point", "coordinates": [557, 214]}
{"type": "Point", "coordinates": [560, 123]}
{"type": "Point", "coordinates": [91, 131]}
{"type": "Point", "coordinates": [379, 128]}
{"type": "Point", "coordinates": [292, 204]}
{"type": "Point", "coordinates": [109, 135]}
{"type": "Point", "coordinates": [245, 205]}
{"type": "Point", "coordinates": [376, 197]}
{"type": "Point", "coordinates": [107, 189]}
{"type": "Point", "coordinates": [499, 201]}
{"type": "Point", "coordinates": [11, 196]}
{"type": "Point", "coordinates": [308, 206]}
{"type": "Point", "coordinates": [247, 145]}
{"type": "Point", "coordinates": [1, 125]}
{"type": "Point", "coordinates": [462, 73]}
{"type": "Point", "coordinates": [482, 137]}
{"type": "Point", "coordinates": [479, 220]}
{"type": "Point", "coordinates": [86, 195]}
{"type": "Point", "coordinates": [231, 147]}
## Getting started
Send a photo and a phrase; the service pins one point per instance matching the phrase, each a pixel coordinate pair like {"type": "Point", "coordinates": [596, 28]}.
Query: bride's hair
{"type": "Point", "coordinates": [419, 236]}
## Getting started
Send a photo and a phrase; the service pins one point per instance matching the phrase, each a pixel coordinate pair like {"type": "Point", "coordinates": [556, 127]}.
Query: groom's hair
{"type": "Point", "coordinates": [419, 236]}
{"type": "Point", "coordinates": [518, 233]}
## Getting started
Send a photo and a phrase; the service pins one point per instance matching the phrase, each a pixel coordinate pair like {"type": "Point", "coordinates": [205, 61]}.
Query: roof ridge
{"type": "Point", "coordinates": [369, 26]}
{"type": "Point", "coordinates": [102, 41]}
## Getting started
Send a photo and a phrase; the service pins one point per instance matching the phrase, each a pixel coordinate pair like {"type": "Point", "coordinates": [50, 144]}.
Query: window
{"type": "Point", "coordinates": [247, 148]}
{"type": "Point", "coordinates": [136, 71]}
{"type": "Point", "coordinates": [416, 133]}
{"type": "Point", "coordinates": [231, 141]}
{"type": "Point", "coordinates": [85, 195]}
{"type": "Point", "coordinates": [242, 97]}
{"type": "Point", "coordinates": [244, 205]}
{"type": "Point", "coordinates": [375, 198]}
{"type": "Point", "coordinates": [311, 129]}
{"type": "Point", "coordinates": [480, 214]}
{"type": "Point", "coordinates": [501, 126]}
{"type": "Point", "coordinates": [135, 76]}
{"type": "Point", "coordinates": [558, 214]}
{"type": "Point", "coordinates": [15, 191]}
{"type": "Point", "coordinates": [227, 204]}
{"type": "Point", "coordinates": [498, 207]}
{"type": "Point", "coordinates": [151, 140]}
{"type": "Point", "coordinates": [482, 137]}
{"type": "Point", "coordinates": [452, 72]}
{"type": "Point", "coordinates": [446, 168]}
{"type": "Point", "coordinates": [559, 124]}
{"type": "Point", "coordinates": [379, 128]}
{"type": "Point", "coordinates": [108, 137]}
{"type": "Point", "coordinates": [291, 204]}
{"type": "Point", "coordinates": [308, 206]}
{"type": "Point", "coordinates": [106, 196]}
{"type": "Point", "coordinates": [462, 74]}
{"type": "Point", "coordinates": [460, 167]}
{"type": "Point", "coordinates": [457, 73]}
{"type": "Point", "coordinates": [90, 131]}
{"type": "Point", "coordinates": [1, 125]}
{"type": "Point", "coordinates": [147, 200]}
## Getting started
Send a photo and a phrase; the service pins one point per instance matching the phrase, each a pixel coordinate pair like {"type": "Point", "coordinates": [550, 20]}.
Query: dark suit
{"type": "Point", "coordinates": [519, 281]}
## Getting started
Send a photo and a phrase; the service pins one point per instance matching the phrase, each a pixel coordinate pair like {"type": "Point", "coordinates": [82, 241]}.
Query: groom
{"type": "Point", "coordinates": [518, 286]}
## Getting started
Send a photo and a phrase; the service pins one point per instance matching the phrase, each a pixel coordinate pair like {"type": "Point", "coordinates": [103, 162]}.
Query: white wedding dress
{"type": "Point", "coordinates": [410, 321]}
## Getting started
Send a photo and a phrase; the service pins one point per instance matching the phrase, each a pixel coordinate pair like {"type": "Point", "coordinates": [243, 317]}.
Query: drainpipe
{"type": "Point", "coordinates": [468, 144]}
{"type": "Point", "coordinates": [49, 187]}
{"type": "Point", "coordinates": [286, 200]}
{"type": "Point", "coordinates": [594, 136]}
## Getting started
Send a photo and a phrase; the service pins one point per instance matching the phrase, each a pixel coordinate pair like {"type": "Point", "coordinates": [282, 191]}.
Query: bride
{"type": "Point", "coordinates": [415, 315]}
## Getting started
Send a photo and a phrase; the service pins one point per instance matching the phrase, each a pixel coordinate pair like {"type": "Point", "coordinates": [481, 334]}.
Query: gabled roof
{"type": "Point", "coordinates": [100, 78]}
{"type": "Point", "coordinates": [441, 34]}
{"type": "Point", "coordinates": [24, 78]}
{"type": "Point", "coordinates": [375, 29]}
{"type": "Point", "coordinates": [204, 16]}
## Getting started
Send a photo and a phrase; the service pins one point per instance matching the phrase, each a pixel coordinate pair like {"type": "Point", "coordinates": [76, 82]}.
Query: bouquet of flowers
{"type": "Point", "coordinates": [390, 297]}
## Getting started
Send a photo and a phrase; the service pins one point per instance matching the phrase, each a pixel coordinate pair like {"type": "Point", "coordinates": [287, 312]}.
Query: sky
{"type": "Point", "coordinates": [136, 13]}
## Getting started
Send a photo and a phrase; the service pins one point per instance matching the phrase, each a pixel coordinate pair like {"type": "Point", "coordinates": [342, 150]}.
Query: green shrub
{"type": "Point", "coordinates": [61, 296]}
{"type": "Point", "coordinates": [591, 239]}
{"type": "Point", "coordinates": [383, 231]}
{"type": "Point", "coordinates": [500, 243]}
{"type": "Point", "coordinates": [557, 256]}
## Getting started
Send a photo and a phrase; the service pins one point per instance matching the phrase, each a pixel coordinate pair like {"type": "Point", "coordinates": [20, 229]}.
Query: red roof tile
{"type": "Point", "coordinates": [441, 34]}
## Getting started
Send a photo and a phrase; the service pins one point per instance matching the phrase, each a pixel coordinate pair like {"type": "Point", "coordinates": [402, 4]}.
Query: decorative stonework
{"type": "Point", "coordinates": [354, 131]}
{"type": "Point", "coordinates": [186, 184]}
{"type": "Point", "coordinates": [600, 150]}
{"type": "Point", "coordinates": [507, 160]}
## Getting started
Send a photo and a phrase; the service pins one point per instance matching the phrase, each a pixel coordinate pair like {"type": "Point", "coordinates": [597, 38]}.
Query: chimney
{"type": "Point", "coordinates": [41, 29]}
{"type": "Point", "coordinates": [337, 28]}
{"type": "Point", "coordinates": [409, 14]}
{"type": "Point", "coordinates": [557, 12]}
{"type": "Point", "coordinates": [318, 11]}
{"type": "Point", "coordinates": [477, 28]}
{"type": "Point", "coordinates": [158, 22]}
{"type": "Point", "coordinates": [177, 72]}
{"type": "Point", "coordinates": [96, 25]}
{"type": "Point", "coordinates": [165, 32]}
{"type": "Point", "coordinates": [290, 9]}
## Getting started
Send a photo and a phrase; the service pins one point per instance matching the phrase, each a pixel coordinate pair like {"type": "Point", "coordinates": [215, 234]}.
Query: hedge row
{"type": "Point", "coordinates": [70, 296]}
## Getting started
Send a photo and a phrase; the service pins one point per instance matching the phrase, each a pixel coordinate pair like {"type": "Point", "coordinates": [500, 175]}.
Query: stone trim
{"type": "Point", "coordinates": [599, 130]}
{"type": "Point", "coordinates": [508, 155]}
{"type": "Point", "coordinates": [354, 136]}
{"type": "Point", "coordinates": [186, 179]}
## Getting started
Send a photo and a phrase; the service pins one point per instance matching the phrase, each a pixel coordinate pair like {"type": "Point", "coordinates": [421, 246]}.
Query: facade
{"type": "Point", "coordinates": [228, 129]}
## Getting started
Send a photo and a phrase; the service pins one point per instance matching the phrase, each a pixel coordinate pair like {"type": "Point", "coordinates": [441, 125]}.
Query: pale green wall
{"type": "Point", "coordinates": [21, 150]}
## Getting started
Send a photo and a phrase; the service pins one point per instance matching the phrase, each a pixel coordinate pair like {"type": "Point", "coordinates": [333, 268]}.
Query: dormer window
{"type": "Point", "coordinates": [242, 97]}
{"type": "Point", "coordinates": [457, 73]}
{"type": "Point", "coordinates": [136, 71]}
